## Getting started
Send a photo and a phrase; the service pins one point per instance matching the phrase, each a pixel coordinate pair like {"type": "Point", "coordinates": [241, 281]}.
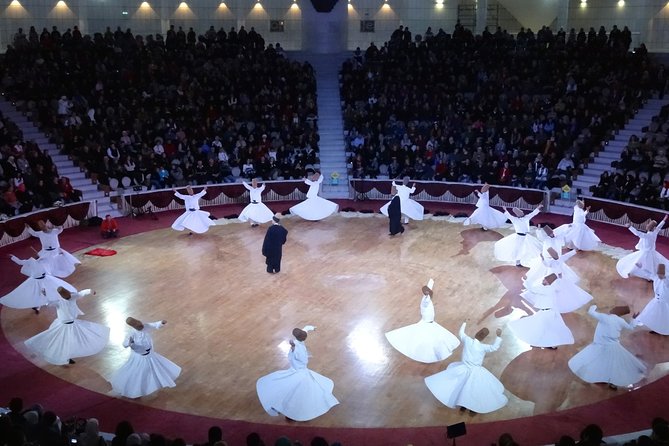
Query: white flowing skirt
{"type": "Point", "coordinates": [29, 293]}
{"type": "Point", "coordinates": [195, 221]}
{"type": "Point", "coordinates": [314, 209]}
{"type": "Point", "coordinates": [649, 261]}
{"type": "Point", "coordinates": [62, 342]}
{"type": "Point", "coordinates": [578, 236]}
{"type": "Point", "coordinates": [409, 208]}
{"type": "Point", "coordinates": [142, 375]}
{"type": "Point", "coordinates": [256, 212]}
{"type": "Point", "coordinates": [568, 296]}
{"type": "Point", "coordinates": [487, 217]}
{"type": "Point", "coordinates": [424, 341]}
{"type": "Point", "coordinates": [545, 328]}
{"type": "Point", "coordinates": [59, 262]}
{"type": "Point", "coordinates": [656, 316]}
{"type": "Point", "coordinates": [515, 247]}
{"type": "Point", "coordinates": [607, 363]}
{"type": "Point", "coordinates": [472, 387]}
{"type": "Point", "coordinates": [300, 395]}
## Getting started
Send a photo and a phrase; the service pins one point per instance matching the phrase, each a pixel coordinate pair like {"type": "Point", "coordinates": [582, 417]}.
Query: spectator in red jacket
{"type": "Point", "coordinates": [109, 227]}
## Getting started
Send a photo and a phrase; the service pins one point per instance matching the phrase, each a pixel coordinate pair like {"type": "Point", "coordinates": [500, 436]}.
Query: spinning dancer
{"type": "Point", "coordinates": [255, 212]}
{"type": "Point", "coordinates": [297, 393]}
{"type": "Point", "coordinates": [38, 289]}
{"type": "Point", "coordinates": [606, 360]}
{"type": "Point", "coordinates": [425, 341]}
{"type": "Point", "coordinates": [520, 247]}
{"type": "Point", "coordinates": [314, 207]}
{"type": "Point", "coordinates": [577, 234]}
{"type": "Point", "coordinates": [643, 262]}
{"type": "Point", "coordinates": [145, 371]}
{"type": "Point", "coordinates": [411, 209]}
{"type": "Point", "coordinates": [561, 294]}
{"type": "Point", "coordinates": [548, 263]}
{"type": "Point", "coordinates": [545, 328]}
{"type": "Point", "coordinates": [69, 337]}
{"type": "Point", "coordinates": [467, 383]}
{"type": "Point", "coordinates": [59, 262]}
{"type": "Point", "coordinates": [549, 239]}
{"type": "Point", "coordinates": [484, 215]}
{"type": "Point", "coordinates": [655, 315]}
{"type": "Point", "coordinates": [193, 219]}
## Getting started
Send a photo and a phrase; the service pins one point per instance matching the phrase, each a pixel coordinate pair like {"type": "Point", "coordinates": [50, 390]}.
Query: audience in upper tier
{"type": "Point", "coordinates": [163, 112]}
{"type": "Point", "coordinates": [522, 111]}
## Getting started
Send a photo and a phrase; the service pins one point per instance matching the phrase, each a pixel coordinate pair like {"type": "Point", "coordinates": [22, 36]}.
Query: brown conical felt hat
{"type": "Point", "coordinates": [553, 253]}
{"type": "Point", "coordinates": [485, 188]}
{"type": "Point", "coordinates": [549, 279]}
{"type": "Point", "coordinates": [427, 291]}
{"type": "Point", "coordinates": [661, 269]}
{"type": "Point", "coordinates": [548, 231]}
{"type": "Point", "coordinates": [64, 293]}
{"type": "Point", "coordinates": [299, 334]}
{"type": "Point", "coordinates": [620, 310]}
{"type": "Point", "coordinates": [482, 334]}
{"type": "Point", "coordinates": [518, 212]}
{"type": "Point", "coordinates": [134, 323]}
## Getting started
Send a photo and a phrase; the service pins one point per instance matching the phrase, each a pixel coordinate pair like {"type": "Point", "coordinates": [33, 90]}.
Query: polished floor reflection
{"type": "Point", "coordinates": [229, 321]}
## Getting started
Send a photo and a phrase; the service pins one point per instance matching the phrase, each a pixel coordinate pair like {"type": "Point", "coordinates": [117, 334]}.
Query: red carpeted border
{"type": "Point", "coordinates": [627, 412]}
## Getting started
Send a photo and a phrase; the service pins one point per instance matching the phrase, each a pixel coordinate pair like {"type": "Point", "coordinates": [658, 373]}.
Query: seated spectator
{"type": "Point", "coordinates": [109, 227]}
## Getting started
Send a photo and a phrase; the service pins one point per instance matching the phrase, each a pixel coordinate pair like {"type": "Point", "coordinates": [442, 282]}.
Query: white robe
{"type": "Point", "coordinates": [314, 207]}
{"type": "Point", "coordinates": [410, 208]}
{"type": "Point", "coordinates": [578, 235]}
{"type": "Point", "coordinates": [467, 383]}
{"type": "Point", "coordinates": [145, 371]}
{"type": "Point", "coordinates": [60, 263]}
{"type": "Point", "coordinates": [256, 211]}
{"type": "Point", "coordinates": [69, 337]}
{"type": "Point", "coordinates": [655, 314]}
{"type": "Point", "coordinates": [545, 328]}
{"type": "Point", "coordinates": [193, 219]}
{"type": "Point", "coordinates": [562, 295]}
{"type": "Point", "coordinates": [606, 360]}
{"type": "Point", "coordinates": [425, 341]}
{"type": "Point", "coordinates": [546, 265]}
{"type": "Point", "coordinates": [646, 255]}
{"type": "Point", "coordinates": [40, 288]}
{"type": "Point", "coordinates": [485, 215]}
{"type": "Point", "coordinates": [297, 393]}
{"type": "Point", "coordinates": [518, 248]}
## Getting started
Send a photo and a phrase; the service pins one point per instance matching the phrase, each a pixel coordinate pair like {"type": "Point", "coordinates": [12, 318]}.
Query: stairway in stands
{"type": "Point", "coordinates": [66, 167]}
{"type": "Point", "coordinates": [330, 122]}
{"type": "Point", "coordinates": [611, 152]}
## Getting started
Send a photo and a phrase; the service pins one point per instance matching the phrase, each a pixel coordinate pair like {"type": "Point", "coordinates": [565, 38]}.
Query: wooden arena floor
{"type": "Point", "coordinates": [229, 321]}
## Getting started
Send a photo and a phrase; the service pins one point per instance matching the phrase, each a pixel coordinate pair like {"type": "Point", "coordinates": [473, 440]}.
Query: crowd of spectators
{"type": "Point", "coordinates": [28, 177]}
{"type": "Point", "coordinates": [163, 112]}
{"type": "Point", "coordinates": [35, 426]}
{"type": "Point", "coordinates": [524, 110]}
{"type": "Point", "coordinates": [641, 175]}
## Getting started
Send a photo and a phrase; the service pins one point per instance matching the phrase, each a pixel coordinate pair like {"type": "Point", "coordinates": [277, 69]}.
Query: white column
{"type": "Point", "coordinates": [481, 15]}
{"type": "Point", "coordinates": [562, 16]}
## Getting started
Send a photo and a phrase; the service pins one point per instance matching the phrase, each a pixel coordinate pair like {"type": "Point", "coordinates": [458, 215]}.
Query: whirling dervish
{"type": "Point", "coordinates": [484, 215]}
{"type": "Point", "coordinates": [549, 262]}
{"type": "Point", "coordinates": [298, 393]}
{"type": "Point", "coordinates": [193, 218]}
{"type": "Point", "coordinates": [69, 337]}
{"type": "Point", "coordinates": [467, 384]}
{"type": "Point", "coordinates": [425, 341]}
{"type": "Point", "coordinates": [645, 261]}
{"type": "Point", "coordinates": [561, 294]}
{"type": "Point", "coordinates": [39, 289]}
{"type": "Point", "coordinates": [545, 328]}
{"type": "Point", "coordinates": [520, 247]}
{"type": "Point", "coordinates": [606, 360]}
{"type": "Point", "coordinates": [314, 208]}
{"type": "Point", "coordinates": [411, 209]}
{"type": "Point", "coordinates": [145, 371]}
{"type": "Point", "coordinates": [655, 314]}
{"type": "Point", "coordinates": [577, 235]}
{"type": "Point", "coordinates": [58, 262]}
{"type": "Point", "coordinates": [255, 212]}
